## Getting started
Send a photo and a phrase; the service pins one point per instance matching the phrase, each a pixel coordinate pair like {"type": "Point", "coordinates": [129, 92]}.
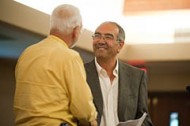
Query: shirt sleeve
{"type": "Point", "coordinates": [81, 101]}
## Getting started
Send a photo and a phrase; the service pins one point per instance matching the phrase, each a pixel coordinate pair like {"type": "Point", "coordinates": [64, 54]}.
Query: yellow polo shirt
{"type": "Point", "coordinates": [51, 86]}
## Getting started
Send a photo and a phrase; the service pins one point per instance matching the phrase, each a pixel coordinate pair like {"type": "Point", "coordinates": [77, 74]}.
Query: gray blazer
{"type": "Point", "coordinates": [132, 97]}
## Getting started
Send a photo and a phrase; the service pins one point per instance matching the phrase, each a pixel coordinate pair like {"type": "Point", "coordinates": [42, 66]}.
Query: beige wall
{"type": "Point", "coordinates": [168, 81]}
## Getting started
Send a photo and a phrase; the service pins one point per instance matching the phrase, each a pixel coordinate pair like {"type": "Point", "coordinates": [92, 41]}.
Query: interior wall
{"type": "Point", "coordinates": [168, 82]}
{"type": "Point", "coordinates": [168, 76]}
{"type": "Point", "coordinates": [7, 87]}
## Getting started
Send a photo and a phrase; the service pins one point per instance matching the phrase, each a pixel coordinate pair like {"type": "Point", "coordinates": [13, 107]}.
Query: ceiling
{"type": "Point", "coordinates": [138, 18]}
{"type": "Point", "coordinates": [136, 6]}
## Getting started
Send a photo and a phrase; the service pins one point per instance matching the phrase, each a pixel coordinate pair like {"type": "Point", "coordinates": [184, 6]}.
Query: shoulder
{"type": "Point", "coordinates": [90, 67]}
{"type": "Point", "coordinates": [135, 74]}
{"type": "Point", "coordinates": [131, 69]}
{"type": "Point", "coordinates": [59, 48]}
{"type": "Point", "coordinates": [72, 53]}
{"type": "Point", "coordinates": [65, 53]}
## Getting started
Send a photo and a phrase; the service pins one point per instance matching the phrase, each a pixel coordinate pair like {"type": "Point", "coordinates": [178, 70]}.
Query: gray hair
{"type": "Point", "coordinates": [65, 17]}
{"type": "Point", "coordinates": [121, 34]}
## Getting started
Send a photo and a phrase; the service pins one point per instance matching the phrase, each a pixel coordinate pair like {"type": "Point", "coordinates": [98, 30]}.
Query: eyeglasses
{"type": "Point", "coordinates": [106, 37]}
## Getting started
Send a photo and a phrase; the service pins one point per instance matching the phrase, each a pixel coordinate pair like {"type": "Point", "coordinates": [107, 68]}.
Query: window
{"type": "Point", "coordinates": [174, 119]}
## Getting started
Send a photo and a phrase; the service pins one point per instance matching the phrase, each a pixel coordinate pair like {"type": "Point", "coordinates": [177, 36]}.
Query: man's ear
{"type": "Point", "coordinates": [121, 44]}
{"type": "Point", "coordinates": [76, 33]}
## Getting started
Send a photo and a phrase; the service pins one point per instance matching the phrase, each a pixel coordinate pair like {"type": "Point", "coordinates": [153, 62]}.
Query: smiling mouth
{"type": "Point", "coordinates": [101, 47]}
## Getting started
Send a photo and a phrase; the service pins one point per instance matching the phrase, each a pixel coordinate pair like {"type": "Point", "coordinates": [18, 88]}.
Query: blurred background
{"type": "Point", "coordinates": [157, 41]}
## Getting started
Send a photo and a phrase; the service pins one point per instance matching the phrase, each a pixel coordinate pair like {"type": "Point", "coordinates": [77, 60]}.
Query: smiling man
{"type": "Point", "coordinates": [119, 90]}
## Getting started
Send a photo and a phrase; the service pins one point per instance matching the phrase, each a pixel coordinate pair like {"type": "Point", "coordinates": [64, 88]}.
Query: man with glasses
{"type": "Point", "coordinates": [119, 90]}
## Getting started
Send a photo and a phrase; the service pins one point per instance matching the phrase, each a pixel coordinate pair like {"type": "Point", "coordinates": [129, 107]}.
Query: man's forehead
{"type": "Point", "coordinates": [107, 28]}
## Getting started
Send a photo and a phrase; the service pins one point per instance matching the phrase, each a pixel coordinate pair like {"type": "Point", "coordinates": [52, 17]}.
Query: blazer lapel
{"type": "Point", "coordinates": [93, 81]}
{"type": "Point", "coordinates": [124, 92]}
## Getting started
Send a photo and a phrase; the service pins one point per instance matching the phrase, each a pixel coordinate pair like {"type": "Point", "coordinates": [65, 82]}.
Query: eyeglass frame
{"type": "Point", "coordinates": [106, 36]}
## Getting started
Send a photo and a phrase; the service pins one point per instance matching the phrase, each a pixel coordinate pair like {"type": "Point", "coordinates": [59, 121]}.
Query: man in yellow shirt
{"type": "Point", "coordinates": [51, 86]}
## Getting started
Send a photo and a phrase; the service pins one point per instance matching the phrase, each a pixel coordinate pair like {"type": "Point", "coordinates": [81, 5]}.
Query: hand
{"type": "Point", "coordinates": [93, 123]}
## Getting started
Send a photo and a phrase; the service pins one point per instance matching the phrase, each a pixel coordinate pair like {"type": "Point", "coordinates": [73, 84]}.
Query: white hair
{"type": "Point", "coordinates": [65, 17]}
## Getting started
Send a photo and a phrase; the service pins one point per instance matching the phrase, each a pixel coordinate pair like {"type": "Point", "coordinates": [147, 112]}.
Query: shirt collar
{"type": "Point", "coordinates": [99, 68]}
{"type": "Point", "coordinates": [58, 40]}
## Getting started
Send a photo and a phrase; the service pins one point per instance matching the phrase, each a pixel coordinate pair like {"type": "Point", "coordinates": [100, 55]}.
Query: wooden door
{"type": "Point", "coordinates": [163, 106]}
